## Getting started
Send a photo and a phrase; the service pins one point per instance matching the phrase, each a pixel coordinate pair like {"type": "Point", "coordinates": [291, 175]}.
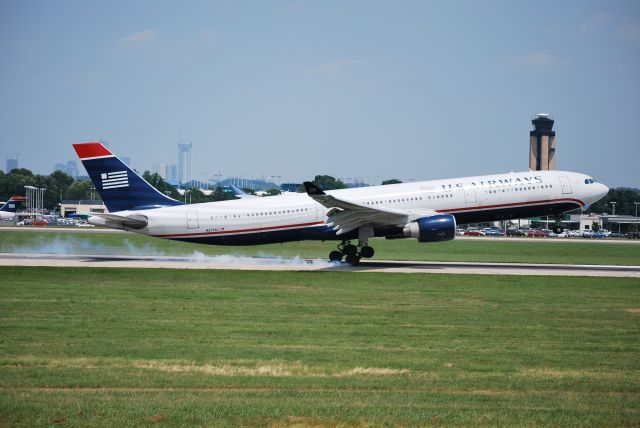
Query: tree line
{"type": "Point", "coordinates": [624, 198]}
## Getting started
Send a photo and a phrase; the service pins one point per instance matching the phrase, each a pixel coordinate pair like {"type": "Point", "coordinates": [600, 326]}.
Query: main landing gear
{"type": "Point", "coordinates": [351, 253]}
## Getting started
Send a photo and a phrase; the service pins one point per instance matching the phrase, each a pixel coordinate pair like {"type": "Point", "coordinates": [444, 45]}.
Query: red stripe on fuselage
{"type": "Point", "coordinates": [91, 150]}
{"type": "Point", "coordinates": [513, 204]}
{"type": "Point", "coordinates": [257, 229]}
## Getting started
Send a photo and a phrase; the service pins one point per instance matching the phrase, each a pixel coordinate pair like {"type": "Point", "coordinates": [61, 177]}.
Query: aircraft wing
{"type": "Point", "coordinates": [345, 216]}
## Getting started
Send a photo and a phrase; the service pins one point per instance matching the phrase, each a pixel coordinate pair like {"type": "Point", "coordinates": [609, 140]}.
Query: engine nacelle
{"type": "Point", "coordinates": [441, 227]}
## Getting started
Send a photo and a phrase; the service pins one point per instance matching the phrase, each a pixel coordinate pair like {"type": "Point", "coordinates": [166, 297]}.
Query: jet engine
{"type": "Point", "coordinates": [441, 227]}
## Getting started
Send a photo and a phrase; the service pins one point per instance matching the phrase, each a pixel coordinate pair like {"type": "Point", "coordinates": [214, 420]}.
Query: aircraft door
{"type": "Point", "coordinates": [470, 195]}
{"type": "Point", "coordinates": [192, 218]}
{"type": "Point", "coordinates": [565, 184]}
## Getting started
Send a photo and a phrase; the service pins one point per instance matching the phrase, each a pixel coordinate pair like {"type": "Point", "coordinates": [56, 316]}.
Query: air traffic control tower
{"type": "Point", "coordinates": [542, 151]}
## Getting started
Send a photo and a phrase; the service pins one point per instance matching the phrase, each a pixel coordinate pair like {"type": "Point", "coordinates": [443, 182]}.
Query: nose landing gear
{"type": "Point", "coordinates": [351, 253]}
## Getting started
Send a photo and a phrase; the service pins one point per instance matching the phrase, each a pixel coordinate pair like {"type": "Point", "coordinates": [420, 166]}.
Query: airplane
{"type": "Point", "coordinates": [239, 193]}
{"type": "Point", "coordinates": [428, 211]}
{"type": "Point", "coordinates": [8, 210]}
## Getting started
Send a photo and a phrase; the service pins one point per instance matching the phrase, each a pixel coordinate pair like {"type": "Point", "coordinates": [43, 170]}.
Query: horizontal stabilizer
{"type": "Point", "coordinates": [133, 221]}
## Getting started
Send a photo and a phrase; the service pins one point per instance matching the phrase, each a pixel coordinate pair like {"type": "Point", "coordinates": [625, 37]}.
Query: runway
{"type": "Point", "coordinates": [299, 264]}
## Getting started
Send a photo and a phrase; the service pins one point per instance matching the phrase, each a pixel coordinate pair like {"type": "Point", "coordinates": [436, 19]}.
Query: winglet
{"type": "Point", "coordinates": [312, 189]}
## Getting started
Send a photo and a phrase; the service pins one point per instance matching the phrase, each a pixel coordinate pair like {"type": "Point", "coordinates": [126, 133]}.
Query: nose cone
{"type": "Point", "coordinates": [603, 191]}
{"type": "Point", "coordinates": [598, 192]}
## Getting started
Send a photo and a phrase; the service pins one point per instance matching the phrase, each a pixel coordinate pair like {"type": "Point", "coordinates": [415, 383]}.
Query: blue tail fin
{"type": "Point", "coordinates": [10, 205]}
{"type": "Point", "coordinates": [239, 193]}
{"type": "Point", "coordinates": [120, 187]}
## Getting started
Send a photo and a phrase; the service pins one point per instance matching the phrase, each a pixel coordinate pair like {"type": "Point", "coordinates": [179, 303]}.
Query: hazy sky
{"type": "Point", "coordinates": [366, 89]}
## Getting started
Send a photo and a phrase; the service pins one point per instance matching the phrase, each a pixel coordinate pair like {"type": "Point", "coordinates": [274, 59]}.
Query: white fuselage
{"type": "Point", "coordinates": [290, 217]}
{"type": "Point", "coordinates": [6, 215]}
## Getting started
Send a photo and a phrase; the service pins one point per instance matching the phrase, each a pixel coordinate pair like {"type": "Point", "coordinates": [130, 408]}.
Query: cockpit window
{"type": "Point", "coordinates": [589, 181]}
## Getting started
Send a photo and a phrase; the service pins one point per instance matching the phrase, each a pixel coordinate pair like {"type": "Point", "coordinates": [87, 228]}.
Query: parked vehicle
{"type": "Point", "coordinates": [617, 235]}
{"type": "Point", "coordinates": [84, 224]}
{"type": "Point", "coordinates": [549, 233]}
{"type": "Point", "coordinates": [494, 232]}
{"type": "Point", "coordinates": [536, 233]}
{"type": "Point", "coordinates": [633, 235]}
{"type": "Point", "coordinates": [516, 232]}
{"type": "Point", "coordinates": [473, 232]}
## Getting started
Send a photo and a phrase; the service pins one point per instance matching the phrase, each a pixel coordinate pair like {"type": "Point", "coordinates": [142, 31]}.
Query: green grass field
{"type": "Point", "coordinates": [128, 347]}
{"type": "Point", "coordinates": [476, 250]}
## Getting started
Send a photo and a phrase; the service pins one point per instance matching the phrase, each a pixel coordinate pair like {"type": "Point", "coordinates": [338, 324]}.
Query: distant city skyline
{"type": "Point", "coordinates": [367, 90]}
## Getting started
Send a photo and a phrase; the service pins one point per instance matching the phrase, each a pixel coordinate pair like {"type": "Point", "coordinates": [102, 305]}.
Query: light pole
{"type": "Point", "coordinates": [26, 195]}
{"type": "Point", "coordinates": [636, 204]}
{"type": "Point", "coordinates": [613, 204]}
{"type": "Point", "coordinates": [42, 190]}
{"type": "Point", "coordinates": [30, 194]}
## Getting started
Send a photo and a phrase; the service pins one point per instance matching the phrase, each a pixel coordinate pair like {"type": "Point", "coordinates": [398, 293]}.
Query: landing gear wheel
{"type": "Point", "coordinates": [366, 252]}
{"type": "Point", "coordinates": [335, 256]}
{"type": "Point", "coordinates": [350, 250]}
{"type": "Point", "coordinates": [352, 259]}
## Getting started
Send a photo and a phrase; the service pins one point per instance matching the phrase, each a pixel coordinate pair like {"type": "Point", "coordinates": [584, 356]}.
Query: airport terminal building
{"type": "Point", "coordinates": [69, 207]}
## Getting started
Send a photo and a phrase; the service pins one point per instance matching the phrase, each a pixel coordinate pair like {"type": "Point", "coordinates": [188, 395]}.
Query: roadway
{"type": "Point", "coordinates": [298, 264]}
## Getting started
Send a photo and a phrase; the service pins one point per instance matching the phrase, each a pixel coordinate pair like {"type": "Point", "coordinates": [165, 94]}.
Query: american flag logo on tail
{"type": "Point", "coordinates": [113, 180]}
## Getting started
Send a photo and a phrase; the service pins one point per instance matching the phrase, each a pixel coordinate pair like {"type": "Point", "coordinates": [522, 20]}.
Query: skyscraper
{"type": "Point", "coordinates": [11, 164]}
{"type": "Point", "coordinates": [184, 163]}
{"type": "Point", "coordinates": [172, 173]}
{"type": "Point", "coordinates": [161, 169]}
{"type": "Point", "coordinates": [72, 169]}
